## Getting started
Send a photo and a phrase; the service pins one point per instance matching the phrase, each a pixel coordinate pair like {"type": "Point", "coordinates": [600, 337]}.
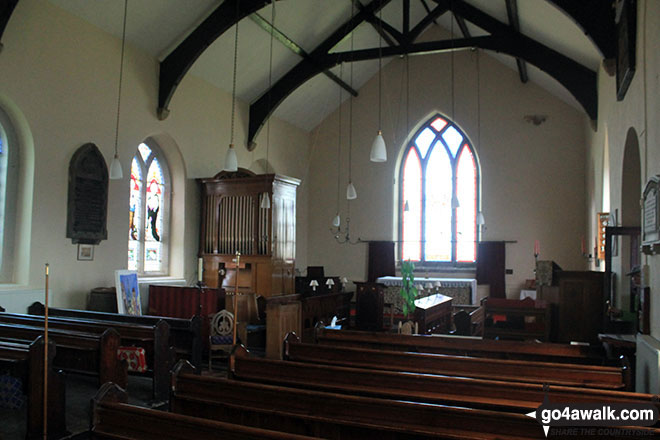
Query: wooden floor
{"type": "Point", "coordinates": [79, 391]}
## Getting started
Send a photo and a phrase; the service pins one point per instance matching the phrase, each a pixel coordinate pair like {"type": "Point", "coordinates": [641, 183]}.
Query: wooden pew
{"type": "Point", "coordinates": [462, 346]}
{"type": "Point", "coordinates": [447, 390]}
{"type": "Point", "coordinates": [591, 376]}
{"type": "Point", "coordinates": [185, 334]}
{"type": "Point", "coordinates": [154, 339]}
{"type": "Point", "coordinates": [469, 321]}
{"type": "Point", "coordinates": [25, 361]}
{"type": "Point", "coordinates": [78, 352]}
{"type": "Point", "coordinates": [112, 418]}
{"type": "Point", "coordinates": [332, 415]}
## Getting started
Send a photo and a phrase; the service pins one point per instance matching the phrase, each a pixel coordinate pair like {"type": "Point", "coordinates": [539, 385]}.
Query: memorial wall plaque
{"type": "Point", "coordinates": [88, 196]}
{"type": "Point", "coordinates": [651, 226]}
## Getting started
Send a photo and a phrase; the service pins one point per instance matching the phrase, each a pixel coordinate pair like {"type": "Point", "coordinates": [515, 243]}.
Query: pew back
{"type": "Point", "coordinates": [185, 334]}
{"type": "Point", "coordinates": [327, 414]}
{"type": "Point", "coordinates": [78, 352]}
{"type": "Point", "coordinates": [496, 369]}
{"type": "Point", "coordinates": [448, 390]}
{"type": "Point", "coordinates": [26, 362]}
{"type": "Point", "coordinates": [465, 346]}
{"type": "Point", "coordinates": [113, 418]}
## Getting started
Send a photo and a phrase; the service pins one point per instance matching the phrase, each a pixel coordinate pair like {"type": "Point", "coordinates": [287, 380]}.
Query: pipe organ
{"type": "Point", "coordinates": [232, 219]}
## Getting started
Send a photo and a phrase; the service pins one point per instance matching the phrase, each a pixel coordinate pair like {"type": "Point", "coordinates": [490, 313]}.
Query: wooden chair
{"type": "Point", "coordinates": [221, 335]}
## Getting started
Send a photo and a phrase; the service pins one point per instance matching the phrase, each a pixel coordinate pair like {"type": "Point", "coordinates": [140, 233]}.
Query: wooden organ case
{"type": "Point", "coordinates": [232, 220]}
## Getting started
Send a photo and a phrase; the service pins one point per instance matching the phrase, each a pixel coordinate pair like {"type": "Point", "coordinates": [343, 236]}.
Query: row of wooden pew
{"type": "Point", "coordinates": [24, 360]}
{"type": "Point", "coordinates": [343, 392]}
{"type": "Point", "coordinates": [88, 343]}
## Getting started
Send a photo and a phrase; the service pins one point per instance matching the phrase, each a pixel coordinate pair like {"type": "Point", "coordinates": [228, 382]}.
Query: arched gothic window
{"type": "Point", "coordinates": [148, 243]}
{"type": "Point", "coordinates": [439, 196]}
{"type": "Point", "coordinates": [9, 163]}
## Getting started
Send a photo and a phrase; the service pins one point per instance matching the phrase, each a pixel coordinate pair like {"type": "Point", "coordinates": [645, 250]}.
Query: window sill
{"type": "Point", "coordinates": [160, 279]}
{"type": "Point", "coordinates": [431, 270]}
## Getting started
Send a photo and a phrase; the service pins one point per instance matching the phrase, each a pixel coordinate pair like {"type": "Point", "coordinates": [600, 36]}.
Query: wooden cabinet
{"type": "Point", "coordinates": [369, 305]}
{"type": "Point", "coordinates": [578, 303]}
{"type": "Point", "coordinates": [232, 220]}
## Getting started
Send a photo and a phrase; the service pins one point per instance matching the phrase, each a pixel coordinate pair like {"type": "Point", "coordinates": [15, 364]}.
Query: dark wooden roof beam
{"type": "Point", "coordinates": [426, 21]}
{"type": "Point", "coordinates": [462, 26]}
{"type": "Point", "coordinates": [384, 29]}
{"type": "Point", "coordinates": [596, 19]}
{"type": "Point", "coordinates": [175, 66]}
{"type": "Point", "coordinates": [6, 9]}
{"type": "Point", "coordinates": [514, 22]}
{"type": "Point", "coordinates": [262, 108]}
{"type": "Point", "coordinates": [578, 80]}
{"type": "Point", "coordinates": [295, 48]}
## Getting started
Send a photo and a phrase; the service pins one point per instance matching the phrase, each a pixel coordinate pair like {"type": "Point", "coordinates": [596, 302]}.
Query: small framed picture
{"type": "Point", "coordinates": [85, 252]}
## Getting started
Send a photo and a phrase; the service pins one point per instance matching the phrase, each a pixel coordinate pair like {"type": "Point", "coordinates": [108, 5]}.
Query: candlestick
{"type": "Point", "coordinates": [200, 269]}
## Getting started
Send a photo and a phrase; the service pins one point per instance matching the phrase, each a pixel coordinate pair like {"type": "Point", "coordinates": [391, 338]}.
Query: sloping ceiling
{"type": "Point", "coordinates": [577, 31]}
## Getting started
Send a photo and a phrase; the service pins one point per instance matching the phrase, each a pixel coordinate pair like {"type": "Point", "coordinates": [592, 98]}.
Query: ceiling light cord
{"type": "Point", "coordinates": [233, 89]}
{"type": "Point", "coordinates": [341, 76]}
{"type": "Point", "coordinates": [270, 80]}
{"type": "Point", "coordinates": [121, 76]}
{"type": "Point", "coordinates": [380, 67]}
{"type": "Point", "coordinates": [451, 36]}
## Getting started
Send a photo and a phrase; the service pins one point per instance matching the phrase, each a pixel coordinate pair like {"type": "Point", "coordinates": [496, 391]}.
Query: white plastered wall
{"type": "Point", "coordinates": [533, 177]}
{"type": "Point", "coordinates": [62, 73]}
{"type": "Point", "coordinates": [639, 111]}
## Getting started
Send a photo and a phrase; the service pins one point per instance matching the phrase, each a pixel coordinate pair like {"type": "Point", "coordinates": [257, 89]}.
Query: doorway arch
{"type": "Point", "coordinates": [631, 189]}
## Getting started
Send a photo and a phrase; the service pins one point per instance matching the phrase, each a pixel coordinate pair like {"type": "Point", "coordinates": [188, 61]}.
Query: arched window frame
{"type": "Point", "coordinates": [454, 161]}
{"type": "Point", "coordinates": [165, 208]}
{"type": "Point", "coordinates": [9, 163]}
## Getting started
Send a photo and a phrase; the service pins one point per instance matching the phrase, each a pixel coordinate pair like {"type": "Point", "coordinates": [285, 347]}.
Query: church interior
{"type": "Point", "coordinates": [294, 218]}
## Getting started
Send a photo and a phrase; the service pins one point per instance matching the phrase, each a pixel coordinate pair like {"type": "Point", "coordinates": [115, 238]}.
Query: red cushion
{"type": "Point", "coordinates": [134, 357]}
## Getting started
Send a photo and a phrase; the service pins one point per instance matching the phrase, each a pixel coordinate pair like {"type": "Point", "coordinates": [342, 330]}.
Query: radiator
{"type": "Point", "coordinates": [647, 370]}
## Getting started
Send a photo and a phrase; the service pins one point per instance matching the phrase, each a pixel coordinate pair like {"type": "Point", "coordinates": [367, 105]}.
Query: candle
{"type": "Point", "coordinates": [537, 247]}
{"type": "Point", "coordinates": [200, 269]}
{"type": "Point", "coordinates": [583, 246]}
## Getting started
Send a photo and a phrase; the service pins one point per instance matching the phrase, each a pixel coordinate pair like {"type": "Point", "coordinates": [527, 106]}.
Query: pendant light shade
{"type": "Point", "coordinates": [480, 218]}
{"type": "Point", "coordinates": [231, 161]}
{"type": "Point", "coordinates": [265, 201]}
{"type": "Point", "coordinates": [115, 169]}
{"type": "Point", "coordinates": [351, 194]}
{"type": "Point", "coordinates": [378, 150]}
{"type": "Point", "coordinates": [336, 222]}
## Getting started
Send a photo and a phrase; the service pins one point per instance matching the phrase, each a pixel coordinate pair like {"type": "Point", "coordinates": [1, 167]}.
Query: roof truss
{"type": "Point", "coordinates": [6, 9]}
{"type": "Point", "coordinates": [595, 17]}
{"type": "Point", "coordinates": [579, 80]}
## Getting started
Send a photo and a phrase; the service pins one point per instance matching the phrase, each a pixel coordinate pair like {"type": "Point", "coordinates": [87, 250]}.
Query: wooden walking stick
{"type": "Point", "coordinates": [45, 415]}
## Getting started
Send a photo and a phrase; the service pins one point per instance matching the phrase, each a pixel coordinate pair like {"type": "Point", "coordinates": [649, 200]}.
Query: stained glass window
{"type": "Point", "coordinates": [439, 196]}
{"type": "Point", "coordinates": [148, 207]}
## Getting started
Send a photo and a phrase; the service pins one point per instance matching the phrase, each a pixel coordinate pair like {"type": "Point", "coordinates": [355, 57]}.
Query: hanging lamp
{"type": "Point", "coordinates": [378, 149]}
{"type": "Point", "coordinates": [481, 220]}
{"type": "Point", "coordinates": [455, 204]}
{"type": "Point", "coordinates": [265, 197]}
{"type": "Point", "coordinates": [336, 222]}
{"type": "Point", "coordinates": [115, 167]}
{"type": "Point", "coordinates": [231, 160]}
{"type": "Point", "coordinates": [351, 193]}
